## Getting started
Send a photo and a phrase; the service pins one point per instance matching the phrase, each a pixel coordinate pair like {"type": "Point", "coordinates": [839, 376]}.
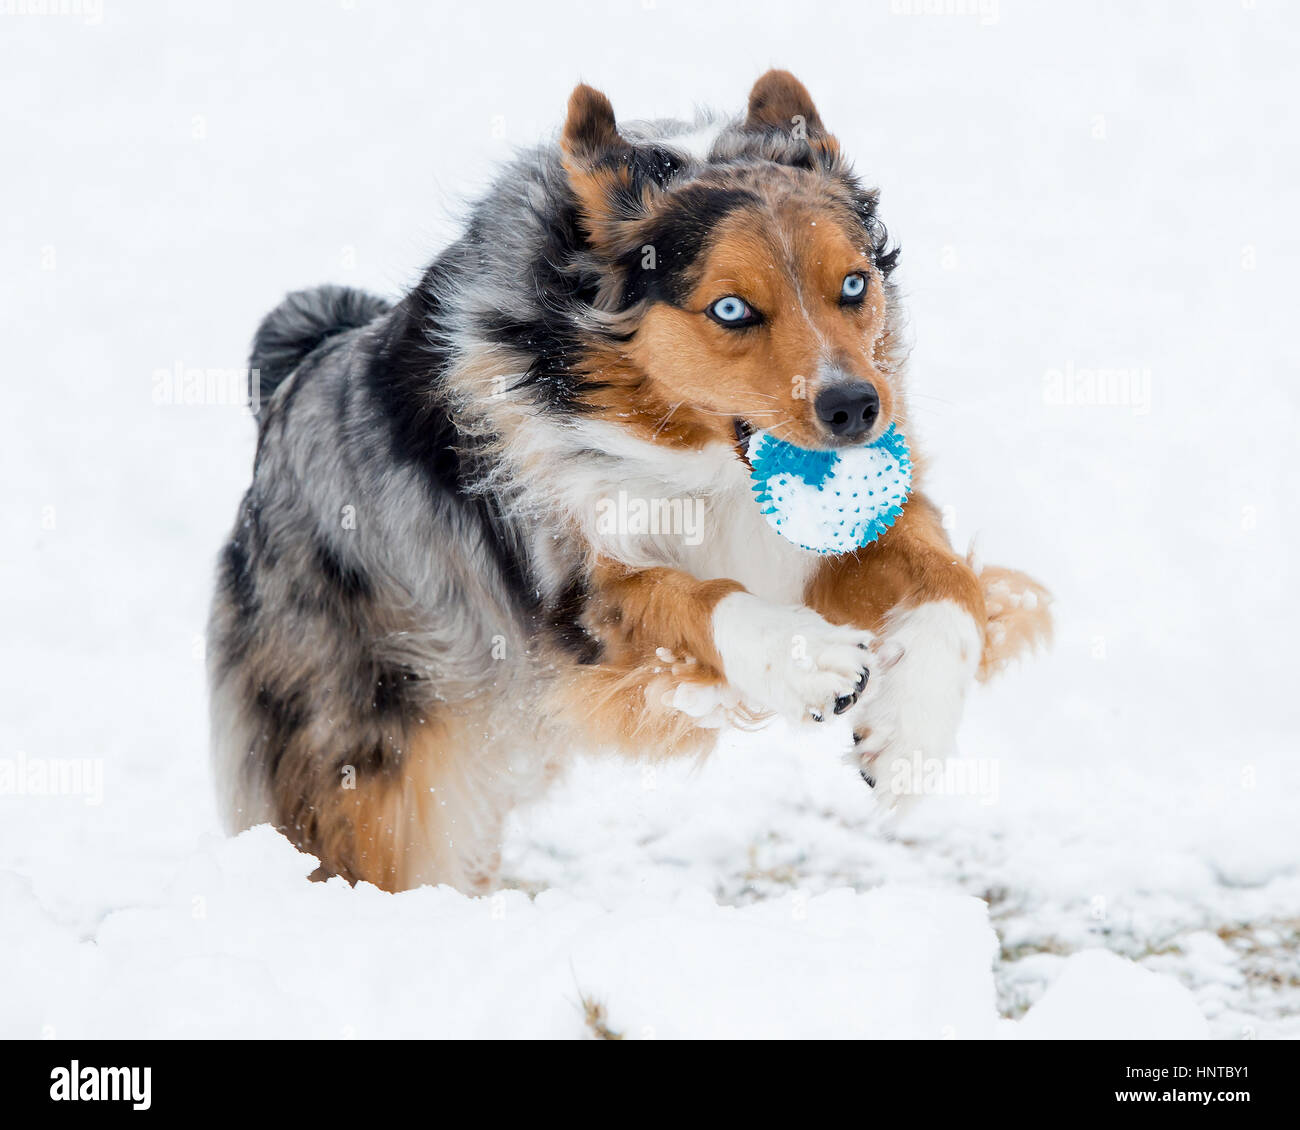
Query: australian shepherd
{"type": "Point", "coordinates": [430, 600]}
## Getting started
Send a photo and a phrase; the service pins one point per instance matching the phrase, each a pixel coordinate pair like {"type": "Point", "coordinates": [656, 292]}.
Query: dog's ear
{"type": "Point", "coordinates": [589, 128]}
{"type": "Point", "coordinates": [609, 182]}
{"type": "Point", "coordinates": [780, 103]}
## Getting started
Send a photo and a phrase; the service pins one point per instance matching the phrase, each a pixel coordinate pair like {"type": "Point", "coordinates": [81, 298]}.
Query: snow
{"type": "Point", "coordinates": [1097, 264]}
{"type": "Point", "coordinates": [1099, 996]}
{"type": "Point", "coordinates": [251, 948]}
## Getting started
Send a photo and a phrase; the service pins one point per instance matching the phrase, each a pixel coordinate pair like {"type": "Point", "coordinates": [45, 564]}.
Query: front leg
{"type": "Point", "coordinates": [779, 658]}
{"type": "Point", "coordinates": [927, 606]}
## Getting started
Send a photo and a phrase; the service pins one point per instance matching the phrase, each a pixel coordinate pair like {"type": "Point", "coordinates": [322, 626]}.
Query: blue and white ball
{"type": "Point", "coordinates": [831, 501]}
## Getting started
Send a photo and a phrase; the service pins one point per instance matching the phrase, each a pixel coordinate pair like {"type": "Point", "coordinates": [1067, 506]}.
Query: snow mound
{"type": "Point", "coordinates": [242, 942]}
{"type": "Point", "coordinates": [1101, 996]}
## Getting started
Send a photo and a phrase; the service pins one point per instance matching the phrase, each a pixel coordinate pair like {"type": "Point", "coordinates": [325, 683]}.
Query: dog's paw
{"type": "Point", "coordinates": [912, 705]}
{"type": "Point", "coordinates": [788, 659]}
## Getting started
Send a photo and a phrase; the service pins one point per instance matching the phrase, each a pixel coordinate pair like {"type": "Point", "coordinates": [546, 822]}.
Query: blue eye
{"type": "Point", "coordinates": [732, 311]}
{"type": "Point", "coordinates": [854, 287]}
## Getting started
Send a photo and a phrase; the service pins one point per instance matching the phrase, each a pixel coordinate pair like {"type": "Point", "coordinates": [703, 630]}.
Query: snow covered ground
{"type": "Point", "coordinates": [1077, 189]}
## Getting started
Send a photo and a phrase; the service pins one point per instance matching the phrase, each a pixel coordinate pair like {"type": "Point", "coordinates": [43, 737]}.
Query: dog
{"type": "Point", "coordinates": [425, 607]}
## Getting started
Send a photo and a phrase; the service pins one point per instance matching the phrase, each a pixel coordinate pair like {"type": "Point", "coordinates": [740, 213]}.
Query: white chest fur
{"type": "Point", "coordinates": [739, 544]}
{"type": "Point", "coordinates": [648, 505]}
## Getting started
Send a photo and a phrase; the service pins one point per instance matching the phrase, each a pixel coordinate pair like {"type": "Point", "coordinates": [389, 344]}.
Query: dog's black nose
{"type": "Point", "coordinates": [848, 410]}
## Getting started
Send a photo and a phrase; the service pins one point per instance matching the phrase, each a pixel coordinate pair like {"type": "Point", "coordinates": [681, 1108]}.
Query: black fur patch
{"type": "Point", "coordinates": [404, 376]}
{"type": "Point", "coordinates": [560, 291]}
{"type": "Point", "coordinates": [280, 715]}
{"type": "Point", "coordinates": [392, 694]}
{"type": "Point", "coordinates": [236, 577]}
{"type": "Point", "coordinates": [679, 236]}
{"type": "Point", "coordinates": [349, 583]}
{"type": "Point", "coordinates": [384, 755]}
{"type": "Point", "coordinates": [648, 167]}
{"type": "Point", "coordinates": [238, 564]}
{"type": "Point", "coordinates": [564, 619]}
{"type": "Point", "coordinates": [864, 205]}
{"type": "Point", "coordinates": [655, 165]}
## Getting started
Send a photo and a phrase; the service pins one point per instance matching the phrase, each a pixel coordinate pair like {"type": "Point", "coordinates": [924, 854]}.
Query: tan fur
{"type": "Point", "coordinates": [429, 822]}
{"type": "Point", "coordinates": [1019, 618]}
{"type": "Point", "coordinates": [911, 564]}
{"type": "Point", "coordinates": [656, 629]}
{"type": "Point", "coordinates": [683, 379]}
{"type": "Point", "coordinates": [780, 101]}
{"type": "Point", "coordinates": [641, 406]}
{"type": "Point", "coordinates": [629, 709]}
{"type": "Point", "coordinates": [590, 129]}
{"type": "Point", "coordinates": [788, 263]}
{"type": "Point", "coordinates": [638, 612]}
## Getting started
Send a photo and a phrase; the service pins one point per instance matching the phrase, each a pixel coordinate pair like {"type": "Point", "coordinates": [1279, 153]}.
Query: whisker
{"type": "Point", "coordinates": [772, 430]}
{"type": "Point", "coordinates": [664, 422]}
{"type": "Point", "coordinates": [711, 412]}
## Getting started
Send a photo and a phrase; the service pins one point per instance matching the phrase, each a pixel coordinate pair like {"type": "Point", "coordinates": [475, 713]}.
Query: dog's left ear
{"type": "Point", "coordinates": [780, 103]}
{"type": "Point", "coordinates": [612, 191]}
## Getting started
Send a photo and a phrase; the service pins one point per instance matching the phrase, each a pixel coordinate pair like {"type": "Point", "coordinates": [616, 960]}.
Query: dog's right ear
{"type": "Point", "coordinates": [590, 129]}
{"type": "Point", "coordinates": [600, 167]}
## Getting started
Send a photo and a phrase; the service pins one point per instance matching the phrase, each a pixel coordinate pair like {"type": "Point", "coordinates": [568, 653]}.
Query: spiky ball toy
{"type": "Point", "coordinates": [831, 501]}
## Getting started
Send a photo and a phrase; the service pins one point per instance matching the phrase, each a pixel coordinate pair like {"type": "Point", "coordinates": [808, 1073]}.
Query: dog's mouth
{"type": "Point", "coordinates": [744, 429]}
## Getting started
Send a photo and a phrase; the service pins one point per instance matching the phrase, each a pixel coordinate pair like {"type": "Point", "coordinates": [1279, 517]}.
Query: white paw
{"type": "Point", "coordinates": [912, 704]}
{"type": "Point", "coordinates": [788, 659]}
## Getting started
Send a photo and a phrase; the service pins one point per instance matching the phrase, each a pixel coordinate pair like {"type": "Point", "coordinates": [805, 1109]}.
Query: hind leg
{"type": "Point", "coordinates": [435, 816]}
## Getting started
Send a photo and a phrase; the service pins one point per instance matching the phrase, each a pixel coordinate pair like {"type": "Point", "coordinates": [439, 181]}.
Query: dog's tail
{"type": "Point", "coordinates": [304, 320]}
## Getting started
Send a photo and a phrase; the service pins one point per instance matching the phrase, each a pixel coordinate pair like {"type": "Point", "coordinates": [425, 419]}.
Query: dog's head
{"type": "Point", "coordinates": [749, 289]}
